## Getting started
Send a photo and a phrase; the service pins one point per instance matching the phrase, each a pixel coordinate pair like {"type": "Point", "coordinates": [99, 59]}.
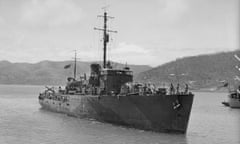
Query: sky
{"type": "Point", "coordinates": [149, 32]}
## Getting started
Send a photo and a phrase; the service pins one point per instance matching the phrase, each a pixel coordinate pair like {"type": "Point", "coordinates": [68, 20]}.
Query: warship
{"type": "Point", "coordinates": [110, 95]}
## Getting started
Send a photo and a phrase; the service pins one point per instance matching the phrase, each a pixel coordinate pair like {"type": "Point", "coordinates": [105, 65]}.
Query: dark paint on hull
{"type": "Point", "coordinates": [155, 113]}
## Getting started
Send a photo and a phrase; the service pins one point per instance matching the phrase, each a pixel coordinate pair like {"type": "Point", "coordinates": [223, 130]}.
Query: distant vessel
{"type": "Point", "coordinates": [109, 95]}
{"type": "Point", "coordinates": [233, 99]}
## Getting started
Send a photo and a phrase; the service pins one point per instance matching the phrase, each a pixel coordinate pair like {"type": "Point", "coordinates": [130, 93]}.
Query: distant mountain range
{"type": "Point", "coordinates": [200, 72]}
{"type": "Point", "coordinates": [49, 72]}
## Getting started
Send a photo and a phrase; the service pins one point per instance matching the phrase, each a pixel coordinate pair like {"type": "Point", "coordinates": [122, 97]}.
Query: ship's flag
{"type": "Point", "coordinates": [67, 66]}
{"type": "Point", "coordinates": [225, 84]}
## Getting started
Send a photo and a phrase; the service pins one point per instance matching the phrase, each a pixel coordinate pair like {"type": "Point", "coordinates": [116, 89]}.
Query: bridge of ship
{"type": "Point", "coordinates": [111, 80]}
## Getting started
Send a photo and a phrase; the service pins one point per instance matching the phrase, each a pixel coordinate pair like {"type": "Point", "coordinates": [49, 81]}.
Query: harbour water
{"type": "Point", "coordinates": [22, 121]}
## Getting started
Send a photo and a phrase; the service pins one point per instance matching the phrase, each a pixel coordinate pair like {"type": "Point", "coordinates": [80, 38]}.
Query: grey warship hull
{"type": "Point", "coordinates": [156, 112]}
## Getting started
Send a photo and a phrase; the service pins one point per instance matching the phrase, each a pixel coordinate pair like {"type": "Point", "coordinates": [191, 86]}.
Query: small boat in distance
{"type": "Point", "coordinates": [110, 95]}
{"type": "Point", "coordinates": [233, 99]}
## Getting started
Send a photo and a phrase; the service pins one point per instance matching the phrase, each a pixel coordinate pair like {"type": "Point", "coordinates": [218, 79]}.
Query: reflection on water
{"type": "Point", "coordinates": [23, 121]}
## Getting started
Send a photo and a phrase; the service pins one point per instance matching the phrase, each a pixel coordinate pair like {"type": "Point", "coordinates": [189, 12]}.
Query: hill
{"type": "Point", "coordinates": [204, 71]}
{"type": "Point", "coordinates": [48, 72]}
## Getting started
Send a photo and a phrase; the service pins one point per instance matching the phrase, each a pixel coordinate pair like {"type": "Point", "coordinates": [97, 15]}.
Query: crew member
{"type": "Point", "coordinates": [178, 86]}
{"type": "Point", "coordinates": [186, 89]}
{"type": "Point", "coordinates": [59, 89]}
{"type": "Point", "coordinates": [172, 90]}
{"type": "Point", "coordinates": [238, 91]}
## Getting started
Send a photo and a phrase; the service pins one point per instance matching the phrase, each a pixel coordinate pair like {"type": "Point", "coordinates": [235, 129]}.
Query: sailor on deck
{"type": "Point", "coordinates": [172, 89]}
{"type": "Point", "coordinates": [186, 89]}
{"type": "Point", "coordinates": [238, 91]}
{"type": "Point", "coordinates": [177, 88]}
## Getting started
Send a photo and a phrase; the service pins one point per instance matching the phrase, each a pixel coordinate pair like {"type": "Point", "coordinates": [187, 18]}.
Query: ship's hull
{"type": "Point", "coordinates": [156, 113]}
{"type": "Point", "coordinates": [234, 102]}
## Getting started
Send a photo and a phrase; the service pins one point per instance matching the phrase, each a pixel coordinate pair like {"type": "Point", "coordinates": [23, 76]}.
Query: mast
{"type": "Point", "coordinates": [75, 65]}
{"type": "Point", "coordinates": [105, 39]}
{"type": "Point", "coordinates": [105, 36]}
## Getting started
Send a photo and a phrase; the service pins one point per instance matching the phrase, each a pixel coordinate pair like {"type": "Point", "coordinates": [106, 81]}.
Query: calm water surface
{"type": "Point", "coordinates": [23, 122]}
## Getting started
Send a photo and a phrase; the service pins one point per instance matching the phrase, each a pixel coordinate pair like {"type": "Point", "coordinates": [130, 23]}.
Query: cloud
{"type": "Point", "coordinates": [131, 53]}
{"type": "Point", "coordinates": [50, 13]}
{"type": "Point", "coordinates": [129, 48]}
